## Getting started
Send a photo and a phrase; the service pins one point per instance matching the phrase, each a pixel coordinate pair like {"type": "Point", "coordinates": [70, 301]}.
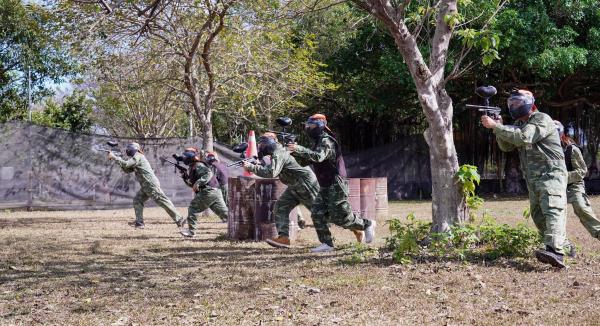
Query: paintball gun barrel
{"type": "Point", "coordinates": [486, 92]}
{"type": "Point", "coordinates": [284, 136]}
{"type": "Point", "coordinates": [178, 168]}
{"type": "Point", "coordinates": [241, 148]}
{"type": "Point", "coordinates": [113, 144]}
{"type": "Point", "coordinates": [252, 160]}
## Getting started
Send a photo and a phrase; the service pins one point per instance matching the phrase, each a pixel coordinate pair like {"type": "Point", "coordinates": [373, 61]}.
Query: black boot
{"type": "Point", "coordinates": [549, 256]}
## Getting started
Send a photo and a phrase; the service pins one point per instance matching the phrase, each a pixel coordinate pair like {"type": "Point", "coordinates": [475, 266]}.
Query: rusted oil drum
{"type": "Point", "coordinates": [251, 204]}
{"type": "Point", "coordinates": [267, 191]}
{"type": "Point", "coordinates": [354, 194]}
{"type": "Point", "coordinates": [240, 225]}
{"type": "Point", "coordinates": [381, 198]}
{"type": "Point", "coordinates": [367, 198]}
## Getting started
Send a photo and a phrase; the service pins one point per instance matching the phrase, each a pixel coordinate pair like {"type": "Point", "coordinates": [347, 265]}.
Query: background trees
{"type": "Point", "coordinates": [29, 45]}
{"type": "Point", "coordinates": [148, 68]}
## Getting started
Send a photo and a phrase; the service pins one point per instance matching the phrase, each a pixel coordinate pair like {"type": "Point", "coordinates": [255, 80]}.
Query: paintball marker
{"type": "Point", "coordinates": [178, 168]}
{"type": "Point", "coordinates": [486, 92]}
{"type": "Point", "coordinates": [241, 148]}
{"type": "Point", "coordinates": [113, 144]}
{"type": "Point", "coordinates": [286, 137]}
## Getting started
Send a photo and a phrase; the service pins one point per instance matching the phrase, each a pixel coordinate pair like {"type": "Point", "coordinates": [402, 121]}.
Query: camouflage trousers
{"type": "Point", "coordinates": [548, 208]}
{"type": "Point", "coordinates": [583, 210]}
{"type": "Point", "coordinates": [159, 197]}
{"type": "Point", "coordinates": [225, 192]}
{"type": "Point", "coordinates": [293, 196]}
{"type": "Point", "coordinates": [206, 198]}
{"type": "Point", "coordinates": [332, 206]}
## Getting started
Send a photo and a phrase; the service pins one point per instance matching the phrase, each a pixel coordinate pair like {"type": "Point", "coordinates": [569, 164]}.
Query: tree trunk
{"type": "Point", "coordinates": [207, 135]}
{"type": "Point", "coordinates": [448, 206]}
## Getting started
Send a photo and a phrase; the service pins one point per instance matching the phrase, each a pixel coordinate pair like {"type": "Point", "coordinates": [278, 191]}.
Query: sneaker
{"type": "Point", "coordinates": [279, 242]}
{"type": "Point", "coordinates": [181, 222]}
{"type": "Point", "coordinates": [370, 232]}
{"type": "Point", "coordinates": [136, 225]}
{"type": "Point", "coordinates": [549, 256]}
{"type": "Point", "coordinates": [322, 248]}
{"type": "Point", "coordinates": [301, 224]}
{"type": "Point", "coordinates": [360, 235]}
{"type": "Point", "coordinates": [187, 233]}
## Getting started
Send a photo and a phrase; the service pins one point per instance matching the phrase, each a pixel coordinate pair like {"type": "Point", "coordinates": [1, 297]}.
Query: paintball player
{"type": "Point", "coordinates": [543, 164]}
{"type": "Point", "coordinates": [204, 183]}
{"type": "Point", "coordinates": [301, 182]}
{"type": "Point", "coordinates": [331, 204]}
{"type": "Point", "coordinates": [150, 186]}
{"type": "Point", "coordinates": [577, 169]}
{"type": "Point", "coordinates": [220, 172]}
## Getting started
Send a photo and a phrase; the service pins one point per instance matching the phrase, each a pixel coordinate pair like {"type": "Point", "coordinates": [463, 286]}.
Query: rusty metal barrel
{"type": "Point", "coordinates": [367, 198]}
{"type": "Point", "coordinates": [354, 194]}
{"type": "Point", "coordinates": [240, 225]}
{"type": "Point", "coordinates": [251, 204]}
{"type": "Point", "coordinates": [381, 198]}
{"type": "Point", "coordinates": [267, 191]}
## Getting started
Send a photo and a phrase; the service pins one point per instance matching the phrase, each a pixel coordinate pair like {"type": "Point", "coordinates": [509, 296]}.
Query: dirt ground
{"type": "Point", "coordinates": [90, 268]}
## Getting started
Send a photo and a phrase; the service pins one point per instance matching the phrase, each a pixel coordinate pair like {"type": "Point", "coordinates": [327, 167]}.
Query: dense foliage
{"type": "Point", "coordinates": [29, 44]}
{"type": "Point", "coordinates": [338, 61]}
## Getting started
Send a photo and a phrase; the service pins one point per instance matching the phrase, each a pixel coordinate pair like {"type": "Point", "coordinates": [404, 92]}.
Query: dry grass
{"type": "Point", "coordinates": [90, 268]}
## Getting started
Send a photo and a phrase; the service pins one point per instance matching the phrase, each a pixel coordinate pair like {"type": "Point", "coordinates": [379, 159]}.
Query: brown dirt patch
{"type": "Point", "coordinates": [90, 268]}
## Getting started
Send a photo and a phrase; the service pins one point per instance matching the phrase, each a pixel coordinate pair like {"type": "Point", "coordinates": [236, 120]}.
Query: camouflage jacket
{"type": "Point", "coordinates": [538, 143]}
{"type": "Point", "coordinates": [575, 181]}
{"type": "Point", "coordinates": [326, 159]}
{"type": "Point", "coordinates": [200, 175]}
{"type": "Point", "coordinates": [142, 169]}
{"type": "Point", "coordinates": [284, 166]}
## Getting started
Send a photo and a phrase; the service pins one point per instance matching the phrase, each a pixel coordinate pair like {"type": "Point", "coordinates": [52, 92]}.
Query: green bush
{"type": "Point", "coordinates": [487, 239]}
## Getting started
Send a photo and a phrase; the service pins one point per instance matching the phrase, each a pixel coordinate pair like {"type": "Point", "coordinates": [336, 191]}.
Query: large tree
{"type": "Point", "coordinates": [409, 24]}
{"type": "Point", "coordinates": [224, 56]}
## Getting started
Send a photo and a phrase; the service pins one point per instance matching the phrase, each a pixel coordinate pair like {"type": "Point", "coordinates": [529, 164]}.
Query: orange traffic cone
{"type": "Point", "coordinates": [252, 149]}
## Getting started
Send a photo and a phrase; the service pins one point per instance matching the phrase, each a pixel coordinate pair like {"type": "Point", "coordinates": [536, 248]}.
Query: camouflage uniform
{"type": "Point", "coordinates": [150, 187]}
{"type": "Point", "coordinates": [301, 181]}
{"type": "Point", "coordinates": [577, 170]}
{"type": "Point", "coordinates": [331, 205]}
{"type": "Point", "coordinates": [208, 196]}
{"type": "Point", "coordinates": [543, 165]}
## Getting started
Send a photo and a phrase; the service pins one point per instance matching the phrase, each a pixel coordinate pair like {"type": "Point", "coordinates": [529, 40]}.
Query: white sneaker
{"type": "Point", "coordinates": [322, 248]}
{"type": "Point", "coordinates": [370, 232]}
{"type": "Point", "coordinates": [187, 233]}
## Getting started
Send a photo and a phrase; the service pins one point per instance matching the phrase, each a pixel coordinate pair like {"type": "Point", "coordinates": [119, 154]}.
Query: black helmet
{"type": "Point", "coordinates": [211, 157]}
{"type": "Point", "coordinates": [315, 125]}
{"type": "Point", "coordinates": [520, 102]}
{"type": "Point", "coordinates": [132, 148]}
{"type": "Point", "coordinates": [266, 146]}
{"type": "Point", "coordinates": [190, 155]}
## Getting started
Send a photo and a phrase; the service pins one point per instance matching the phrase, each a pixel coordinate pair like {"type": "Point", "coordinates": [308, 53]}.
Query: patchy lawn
{"type": "Point", "coordinates": [90, 268]}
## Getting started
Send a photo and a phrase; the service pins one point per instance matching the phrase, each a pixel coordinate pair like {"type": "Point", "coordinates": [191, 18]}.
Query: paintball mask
{"type": "Point", "coordinates": [520, 103]}
{"type": "Point", "coordinates": [132, 148]}
{"type": "Point", "coordinates": [190, 155]}
{"type": "Point", "coordinates": [315, 125]}
{"type": "Point", "coordinates": [266, 146]}
{"type": "Point", "coordinates": [211, 157]}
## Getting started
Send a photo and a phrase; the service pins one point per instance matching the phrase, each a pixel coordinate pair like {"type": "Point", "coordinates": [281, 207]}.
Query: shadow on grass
{"type": "Point", "coordinates": [520, 264]}
{"type": "Point", "coordinates": [117, 269]}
